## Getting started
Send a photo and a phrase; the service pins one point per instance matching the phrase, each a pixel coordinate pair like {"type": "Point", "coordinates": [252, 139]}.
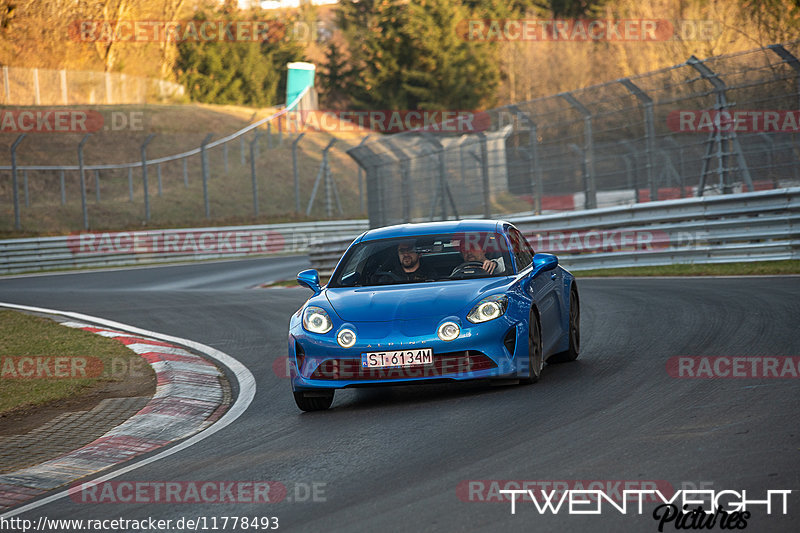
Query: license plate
{"type": "Point", "coordinates": [423, 356]}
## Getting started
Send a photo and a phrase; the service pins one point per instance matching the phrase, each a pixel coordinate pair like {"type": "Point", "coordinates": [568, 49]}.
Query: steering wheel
{"type": "Point", "coordinates": [469, 265]}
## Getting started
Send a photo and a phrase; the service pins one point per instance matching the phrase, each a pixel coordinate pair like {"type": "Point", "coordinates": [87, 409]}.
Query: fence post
{"type": "Point", "coordinates": [225, 157]}
{"type": "Point", "coordinates": [185, 174]}
{"type": "Point", "coordinates": [633, 178]}
{"type": "Point", "coordinates": [534, 165]}
{"type": "Point", "coordinates": [15, 186]}
{"type": "Point", "coordinates": [253, 171]}
{"type": "Point", "coordinates": [589, 185]}
{"type": "Point", "coordinates": [37, 98]}
{"type": "Point", "coordinates": [64, 97]}
{"type": "Point", "coordinates": [130, 184]}
{"type": "Point", "coordinates": [269, 135]}
{"type": "Point", "coordinates": [792, 61]}
{"type": "Point", "coordinates": [63, 187]}
{"type": "Point", "coordinates": [204, 159]}
{"type": "Point", "coordinates": [361, 180]}
{"type": "Point", "coordinates": [160, 190]}
{"type": "Point", "coordinates": [83, 181]}
{"type": "Point", "coordinates": [144, 177]}
{"type": "Point", "coordinates": [649, 136]}
{"type": "Point", "coordinates": [241, 152]}
{"type": "Point", "coordinates": [25, 181]}
{"type": "Point", "coordinates": [485, 176]}
{"type": "Point", "coordinates": [108, 88]}
{"type": "Point", "coordinates": [6, 86]}
{"type": "Point", "coordinates": [97, 186]}
{"type": "Point", "coordinates": [296, 175]}
{"type": "Point", "coordinates": [327, 178]}
{"type": "Point", "coordinates": [320, 175]}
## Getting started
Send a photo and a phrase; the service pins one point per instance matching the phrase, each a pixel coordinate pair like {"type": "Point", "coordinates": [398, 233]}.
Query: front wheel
{"type": "Point", "coordinates": [315, 401]}
{"type": "Point", "coordinates": [574, 331]}
{"type": "Point", "coordinates": [535, 358]}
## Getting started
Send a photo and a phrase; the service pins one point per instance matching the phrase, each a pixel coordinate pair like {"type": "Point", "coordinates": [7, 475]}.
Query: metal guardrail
{"type": "Point", "coordinates": [102, 249]}
{"type": "Point", "coordinates": [758, 226]}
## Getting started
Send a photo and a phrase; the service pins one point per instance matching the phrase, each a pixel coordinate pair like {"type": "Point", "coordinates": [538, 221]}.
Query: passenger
{"type": "Point", "coordinates": [474, 255]}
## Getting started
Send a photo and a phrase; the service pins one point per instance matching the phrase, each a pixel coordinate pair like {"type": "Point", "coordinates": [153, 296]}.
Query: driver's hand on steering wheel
{"type": "Point", "coordinates": [489, 266]}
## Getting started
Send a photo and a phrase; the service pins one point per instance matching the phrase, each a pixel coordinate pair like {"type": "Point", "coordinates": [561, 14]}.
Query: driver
{"type": "Point", "coordinates": [473, 253]}
{"type": "Point", "coordinates": [412, 268]}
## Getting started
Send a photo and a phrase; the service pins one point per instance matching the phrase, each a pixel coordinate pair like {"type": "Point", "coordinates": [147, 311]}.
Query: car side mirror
{"type": "Point", "coordinates": [543, 263]}
{"type": "Point", "coordinates": [310, 278]}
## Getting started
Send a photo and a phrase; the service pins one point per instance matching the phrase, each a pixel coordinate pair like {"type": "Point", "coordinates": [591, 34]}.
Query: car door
{"type": "Point", "coordinates": [543, 290]}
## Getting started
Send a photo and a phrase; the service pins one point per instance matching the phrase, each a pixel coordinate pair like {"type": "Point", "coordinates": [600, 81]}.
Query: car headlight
{"type": "Point", "coordinates": [449, 331]}
{"type": "Point", "coordinates": [316, 320]}
{"type": "Point", "coordinates": [346, 338]}
{"type": "Point", "coordinates": [488, 309]}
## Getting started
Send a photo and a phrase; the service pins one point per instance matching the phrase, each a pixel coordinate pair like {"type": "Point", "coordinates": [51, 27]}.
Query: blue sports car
{"type": "Point", "coordinates": [440, 301]}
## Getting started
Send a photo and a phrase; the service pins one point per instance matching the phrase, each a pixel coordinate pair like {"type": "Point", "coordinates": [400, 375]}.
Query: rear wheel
{"type": "Point", "coordinates": [574, 330]}
{"type": "Point", "coordinates": [313, 401]}
{"type": "Point", "coordinates": [535, 359]}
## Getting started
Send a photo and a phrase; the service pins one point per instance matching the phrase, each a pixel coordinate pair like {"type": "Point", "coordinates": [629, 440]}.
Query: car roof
{"type": "Point", "coordinates": [432, 228]}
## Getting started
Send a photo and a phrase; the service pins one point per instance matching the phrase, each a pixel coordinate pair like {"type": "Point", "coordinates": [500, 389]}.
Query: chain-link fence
{"type": "Point", "coordinates": [39, 86]}
{"type": "Point", "coordinates": [725, 124]}
{"type": "Point", "coordinates": [267, 167]}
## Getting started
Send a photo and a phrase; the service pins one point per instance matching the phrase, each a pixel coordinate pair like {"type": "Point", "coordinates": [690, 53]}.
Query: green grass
{"type": "Point", "coordinates": [24, 336]}
{"type": "Point", "coordinates": [753, 268]}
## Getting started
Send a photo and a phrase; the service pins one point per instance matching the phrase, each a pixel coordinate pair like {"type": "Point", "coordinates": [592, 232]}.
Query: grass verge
{"type": "Point", "coordinates": [752, 268]}
{"type": "Point", "coordinates": [42, 362]}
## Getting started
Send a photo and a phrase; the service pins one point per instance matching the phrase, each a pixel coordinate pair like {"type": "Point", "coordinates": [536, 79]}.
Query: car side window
{"type": "Point", "coordinates": [526, 245]}
{"type": "Point", "coordinates": [523, 253]}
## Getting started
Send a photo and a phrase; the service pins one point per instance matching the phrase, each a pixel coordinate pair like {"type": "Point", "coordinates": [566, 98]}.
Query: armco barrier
{"type": "Point", "coordinates": [758, 226]}
{"type": "Point", "coordinates": [102, 249]}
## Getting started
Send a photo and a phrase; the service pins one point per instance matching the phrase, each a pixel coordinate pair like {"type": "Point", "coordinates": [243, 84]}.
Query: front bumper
{"type": "Point", "coordinates": [487, 350]}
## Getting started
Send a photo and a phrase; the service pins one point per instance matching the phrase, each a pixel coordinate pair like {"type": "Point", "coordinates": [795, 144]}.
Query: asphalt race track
{"type": "Point", "coordinates": [391, 459]}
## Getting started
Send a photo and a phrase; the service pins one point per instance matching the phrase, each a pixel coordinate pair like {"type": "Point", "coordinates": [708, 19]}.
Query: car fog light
{"type": "Point", "coordinates": [449, 331]}
{"type": "Point", "coordinates": [346, 338]}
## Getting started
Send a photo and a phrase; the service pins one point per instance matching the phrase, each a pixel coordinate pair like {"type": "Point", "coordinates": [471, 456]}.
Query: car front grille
{"type": "Point", "coordinates": [444, 365]}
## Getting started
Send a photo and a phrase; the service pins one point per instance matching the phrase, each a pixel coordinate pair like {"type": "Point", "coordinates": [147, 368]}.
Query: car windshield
{"type": "Point", "coordinates": [424, 258]}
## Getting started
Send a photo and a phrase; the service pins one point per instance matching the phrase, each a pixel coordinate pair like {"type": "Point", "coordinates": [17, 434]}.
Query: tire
{"type": "Point", "coordinates": [574, 330]}
{"type": "Point", "coordinates": [535, 359]}
{"type": "Point", "coordinates": [313, 403]}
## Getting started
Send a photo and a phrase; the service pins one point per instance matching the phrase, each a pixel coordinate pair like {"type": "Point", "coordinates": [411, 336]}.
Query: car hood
{"type": "Point", "coordinates": [409, 302]}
